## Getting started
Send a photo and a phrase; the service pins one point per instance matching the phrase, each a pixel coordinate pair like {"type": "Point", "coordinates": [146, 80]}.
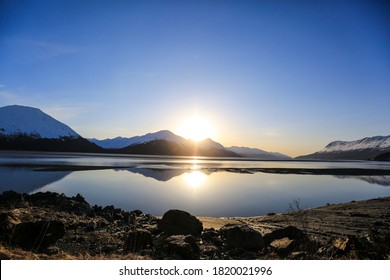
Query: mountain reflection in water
{"type": "Point", "coordinates": [201, 189]}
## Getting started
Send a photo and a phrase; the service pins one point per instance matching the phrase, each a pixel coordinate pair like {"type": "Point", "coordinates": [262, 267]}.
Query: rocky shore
{"type": "Point", "coordinates": [53, 226]}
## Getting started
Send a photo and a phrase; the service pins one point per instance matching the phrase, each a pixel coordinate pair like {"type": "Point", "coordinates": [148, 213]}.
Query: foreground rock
{"type": "Point", "coordinates": [176, 222]}
{"type": "Point", "coordinates": [242, 236]}
{"type": "Point", "coordinates": [50, 225]}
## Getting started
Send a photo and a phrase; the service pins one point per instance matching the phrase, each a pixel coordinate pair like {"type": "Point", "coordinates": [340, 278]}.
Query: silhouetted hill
{"type": "Point", "coordinates": [384, 156]}
{"type": "Point", "coordinates": [64, 144]}
{"type": "Point", "coordinates": [164, 147]}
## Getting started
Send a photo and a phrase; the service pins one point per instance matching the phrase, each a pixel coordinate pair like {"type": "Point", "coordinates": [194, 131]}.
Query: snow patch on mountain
{"type": "Point", "coordinates": [256, 153]}
{"type": "Point", "coordinates": [376, 142]}
{"type": "Point", "coordinates": [22, 120]}
{"type": "Point", "coordinates": [122, 142]}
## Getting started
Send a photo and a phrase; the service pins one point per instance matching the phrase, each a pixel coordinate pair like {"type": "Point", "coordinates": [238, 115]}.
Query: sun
{"type": "Point", "coordinates": [196, 129]}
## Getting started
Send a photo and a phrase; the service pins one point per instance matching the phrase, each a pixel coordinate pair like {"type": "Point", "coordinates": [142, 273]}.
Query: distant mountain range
{"type": "Point", "coordinates": [257, 153]}
{"type": "Point", "coordinates": [369, 148]}
{"type": "Point", "coordinates": [167, 143]}
{"type": "Point", "coordinates": [164, 142]}
{"type": "Point", "coordinates": [27, 128]}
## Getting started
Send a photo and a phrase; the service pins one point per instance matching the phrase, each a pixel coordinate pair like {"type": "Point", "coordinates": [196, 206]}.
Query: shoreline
{"type": "Point", "coordinates": [245, 170]}
{"type": "Point", "coordinates": [353, 230]}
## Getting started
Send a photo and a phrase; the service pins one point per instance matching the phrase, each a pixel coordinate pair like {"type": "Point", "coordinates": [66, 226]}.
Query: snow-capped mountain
{"type": "Point", "coordinates": [28, 121]}
{"type": "Point", "coordinates": [121, 142]}
{"type": "Point", "coordinates": [166, 135]}
{"type": "Point", "coordinates": [366, 148]}
{"type": "Point", "coordinates": [164, 142]}
{"type": "Point", "coordinates": [256, 153]}
{"type": "Point", "coordinates": [377, 142]}
{"type": "Point", "coordinates": [27, 128]}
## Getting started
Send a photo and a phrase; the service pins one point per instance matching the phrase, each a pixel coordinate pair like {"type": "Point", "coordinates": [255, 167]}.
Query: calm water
{"type": "Point", "coordinates": [201, 186]}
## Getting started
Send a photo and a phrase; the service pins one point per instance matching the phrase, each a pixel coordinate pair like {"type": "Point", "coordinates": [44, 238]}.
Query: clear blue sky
{"type": "Point", "coordinates": [287, 76]}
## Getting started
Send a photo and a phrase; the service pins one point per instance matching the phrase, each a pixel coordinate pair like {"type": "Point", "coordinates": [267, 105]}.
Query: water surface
{"type": "Point", "coordinates": [201, 186]}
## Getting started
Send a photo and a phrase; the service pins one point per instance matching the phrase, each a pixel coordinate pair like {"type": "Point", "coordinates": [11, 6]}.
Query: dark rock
{"type": "Point", "coordinates": [80, 198]}
{"type": "Point", "coordinates": [51, 250]}
{"type": "Point", "coordinates": [44, 199]}
{"type": "Point", "coordinates": [248, 256]}
{"type": "Point", "coordinates": [11, 199]}
{"type": "Point", "coordinates": [78, 208]}
{"type": "Point", "coordinates": [129, 218]}
{"type": "Point", "coordinates": [8, 222]}
{"type": "Point", "coordinates": [37, 236]}
{"type": "Point", "coordinates": [242, 236]}
{"type": "Point", "coordinates": [137, 240]}
{"type": "Point", "coordinates": [211, 236]}
{"type": "Point", "coordinates": [11, 196]}
{"type": "Point", "coordinates": [284, 246]}
{"type": "Point", "coordinates": [177, 222]}
{"type": "Point", "coordinates": [146, 219]}
{"type": "Point", "coordinates": [357, 248]}
{"type": "Point", "coordinates": [108, 249]}
{"type": "Point", "coordinates": [290, 232]}
{"type": "Point", "coordinates": [136, 212]}
{"type": "Point", "coordinates": [298, 255]}
{"type": "Point", "coordinates": [181, 246]}
{"type": "Point", "coordinates": [154, 230]}
{"type": "Point", "coordinates": [211, 251]}
{"type": "Point", "coordinates": [117, 215]}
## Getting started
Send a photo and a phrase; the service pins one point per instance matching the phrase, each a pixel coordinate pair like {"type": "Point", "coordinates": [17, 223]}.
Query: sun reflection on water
{"type": "Point", "coordinates": [195, 179]}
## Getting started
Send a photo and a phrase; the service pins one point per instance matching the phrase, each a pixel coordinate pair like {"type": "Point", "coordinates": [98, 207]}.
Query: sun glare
{"type": "Point", "coordinates": [195, 178]}
{"type": "Point", "coordinates": [196, 129]}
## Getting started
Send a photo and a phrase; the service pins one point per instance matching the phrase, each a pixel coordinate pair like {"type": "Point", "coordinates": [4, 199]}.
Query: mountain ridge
{"type": "Point", "coordinates": [257, 153]}
{"type": "Point", "coordinates": [28, 128]}
{"type": "Point", "coordinates": [17, 120]}
{"type": "Point", "coordinates": [128, 145]}
{"type": "Point", "coordinates": [368, 148]}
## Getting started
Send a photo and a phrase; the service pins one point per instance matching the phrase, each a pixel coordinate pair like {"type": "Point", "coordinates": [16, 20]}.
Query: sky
{"type": "Point", "coordinates": [282, 76]}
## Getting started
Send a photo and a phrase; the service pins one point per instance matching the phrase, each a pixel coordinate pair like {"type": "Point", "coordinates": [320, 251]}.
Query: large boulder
{"type": "Point", "coordinates": [177, 222]}
{"type": "Point", "coordinates": [137, 240]}
{"type": "Point", "coordinates": [8, 223]}
{"type": "Point", "coordinates": [180, 247]}
{"type": "Point", "coordinates": [290, 232]}
{"type": "Point", "coordinates": [283, 246]}
{"type": "Point", "coordinates": [11, 199]}
{"type": "Point", "coordinates": [37, 236]}
{"type": "Point", "coordinates": [289, 240]}
{"type": "Point", "coordinates": [242, 236]}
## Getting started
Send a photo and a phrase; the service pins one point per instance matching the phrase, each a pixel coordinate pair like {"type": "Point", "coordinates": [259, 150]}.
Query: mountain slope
{"type": "Point", "coordinates": [384, 157]}
{"type": "Point", "coordinates": [122, 142]}
{"type": "Point", "coordinates": [256, 153]}
{"type": "Point", "coordinates": [27, 128]}
{"type": "Point", "coordinates": [18, 120]}
{"type": "Point", "coordinates": [165, 147]}
{"type": "Point", "coordinates": [165, 142]}
{"type": "Point", "coordinates": [363, 149]}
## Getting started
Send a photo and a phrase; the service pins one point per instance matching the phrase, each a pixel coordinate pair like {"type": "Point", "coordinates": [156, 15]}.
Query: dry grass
{"type": "Point", "coordinates": [18, 254]}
